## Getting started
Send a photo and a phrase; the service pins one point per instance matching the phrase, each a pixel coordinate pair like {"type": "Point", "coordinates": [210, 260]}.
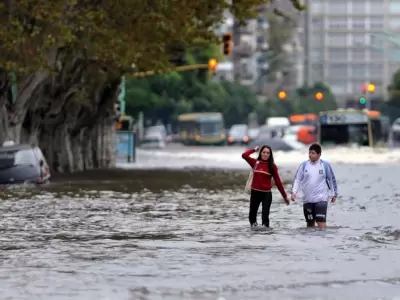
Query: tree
{"type": "Point", "coordinates": [305, 100]}
{"type": "Point", "coordinates": [69, 55]}
{"type": "Point", "coordinates": [392, 107]}
{"type": "Point", "coordinates": [164, 97]}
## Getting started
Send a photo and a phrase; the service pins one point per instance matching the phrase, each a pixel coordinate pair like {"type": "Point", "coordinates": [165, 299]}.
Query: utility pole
{"type": "Point", "coordinates": [306, 68]}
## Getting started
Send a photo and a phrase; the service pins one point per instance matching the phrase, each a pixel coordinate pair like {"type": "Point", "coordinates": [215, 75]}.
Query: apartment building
{"type": "Point", "coordinates": [249, 56]}
{"type": "Point", "coordinates": [349, 45]}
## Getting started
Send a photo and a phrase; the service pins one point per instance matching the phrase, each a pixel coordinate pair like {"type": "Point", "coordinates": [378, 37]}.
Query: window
{"type": "Point", "coordinates": [359, 39]}
{"type": "Point", "coordinates": [317, 71]}
{"type": "Point", "coordinates": [317, 6]}
{"type": "Point", "coordinates": [394, 54]}
{"type": "Point", "coordinates": [376, 55]}
{"type": "Point", "coordinates": [337, 22]}
{"type": "Point", "coordinates": [358, 23]}
{"type": "Point", "coordinates": [337, 70]}
{"type": "Point", "coordinates": [337, 54]}
{"type": "Point", "coordinates": [261, 40]}
{"type": "Point", "coordinates": [375, 40]}
{"type": "Point", "coordinates": [376, 7]}
{"type": "Point", "coordinates": [393, 68]}
{"type": "Point", "coordinates": [394, 23]}
{"type": "Point", "coordinates": [316, 54]}
{"type": "Point", "coordinates": [358, 54]}
{"type": "Point", "coordinates": [357, 85]}
{"type": "Point", "coordinates": [358, 70]}
{"type": "Point", "coordinates": [394, 6]}
{"type": "Point", "coordinates": [337, 39]}
{"type": "Point", "coordinates": [317, 23]}
{"type": "Point", "coordinates": [376, 23]}
{"type": "Point", "coordinates": [376, 69]}
{"type": "Point", "coordinates": [337, 7]}
{"type": "Point", "coordinates": [317, 40]}
{"type": "Point", "coordinates": [359, 7]}
{"type": "Point", "coordinates": [338, 86]}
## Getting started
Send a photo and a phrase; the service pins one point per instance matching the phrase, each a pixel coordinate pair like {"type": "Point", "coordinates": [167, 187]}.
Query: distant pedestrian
{"type": "Point", "coordinates": [316, 181]}
{"type": "Point", "coordinates": [264, 169]}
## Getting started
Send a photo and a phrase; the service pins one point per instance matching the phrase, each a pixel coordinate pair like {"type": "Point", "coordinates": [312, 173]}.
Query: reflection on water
{"type": "Point", "coordinates": [184, 235]}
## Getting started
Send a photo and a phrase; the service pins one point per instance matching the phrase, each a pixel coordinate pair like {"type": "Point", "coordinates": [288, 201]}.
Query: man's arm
{"type": "Point", "coordinates": [333, 182]}
{"type": "Point", "coordinates": [297, 179]}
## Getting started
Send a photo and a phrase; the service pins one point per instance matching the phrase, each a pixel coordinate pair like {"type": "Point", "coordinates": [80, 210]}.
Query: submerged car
{"type": "Point", "coordinates": [23, 164]}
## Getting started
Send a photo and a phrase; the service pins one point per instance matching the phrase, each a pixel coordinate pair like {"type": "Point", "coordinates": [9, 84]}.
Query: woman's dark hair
{"type": "Point", "coordinates": [271, 163]}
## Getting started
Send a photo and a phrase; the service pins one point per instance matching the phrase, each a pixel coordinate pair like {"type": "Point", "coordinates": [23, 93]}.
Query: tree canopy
{"type": "Point", "coordinates": [116, 33]}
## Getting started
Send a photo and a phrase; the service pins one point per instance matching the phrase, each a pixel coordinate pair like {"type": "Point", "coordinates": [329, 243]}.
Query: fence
{"type": "Point", "coordinates": [126, 146]}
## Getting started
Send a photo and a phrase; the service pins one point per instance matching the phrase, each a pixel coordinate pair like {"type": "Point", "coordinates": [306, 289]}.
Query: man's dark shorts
{"type": "Point", "coordinates": [315, 212]}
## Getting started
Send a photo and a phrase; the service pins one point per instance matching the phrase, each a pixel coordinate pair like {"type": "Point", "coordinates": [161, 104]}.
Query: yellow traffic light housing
{"type": "Point", "coordinates": [227, 43]}
{"type": "Point", "coordinates": [282, 95]}
{"type": "Point", "coordinates": [319, 96]}
{"type": "Point", "coordinates": [212, 65]}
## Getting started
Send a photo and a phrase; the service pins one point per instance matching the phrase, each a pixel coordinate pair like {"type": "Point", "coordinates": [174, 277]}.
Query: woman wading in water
{"type": "Point", "coordinates": [264, 170]}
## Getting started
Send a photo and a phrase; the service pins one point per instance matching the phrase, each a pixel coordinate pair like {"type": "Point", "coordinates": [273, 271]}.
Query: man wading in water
{"type": "Point", "coordinates": [314, 179]}
{"type": "Point", "coordinates": [264, 170]}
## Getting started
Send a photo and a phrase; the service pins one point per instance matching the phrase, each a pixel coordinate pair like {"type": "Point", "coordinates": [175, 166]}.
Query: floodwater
{"type": "Point", "coordinates": [184, 234]}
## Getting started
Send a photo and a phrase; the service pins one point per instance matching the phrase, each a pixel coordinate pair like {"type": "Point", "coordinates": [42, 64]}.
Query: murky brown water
{"type": "Point", "coordinates": [184, 235]}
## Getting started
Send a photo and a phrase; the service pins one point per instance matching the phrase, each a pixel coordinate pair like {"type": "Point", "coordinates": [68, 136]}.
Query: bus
{"type": "Point", "coordinates": [303, 119]}
{"type": "Point", "coordinates": [350, 126]}
{"type": "Point", "coordinates": [201, 129]}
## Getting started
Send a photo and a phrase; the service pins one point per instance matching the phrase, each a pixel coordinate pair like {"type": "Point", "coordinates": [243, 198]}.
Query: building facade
{"type": "Point", "coordinates": [249, 58]}
{"type": "Point", "coordinates": [348, 44]}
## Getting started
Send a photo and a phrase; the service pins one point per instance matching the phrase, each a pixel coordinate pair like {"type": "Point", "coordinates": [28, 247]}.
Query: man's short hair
{"type": "Point", "coordinates": [315, 147]}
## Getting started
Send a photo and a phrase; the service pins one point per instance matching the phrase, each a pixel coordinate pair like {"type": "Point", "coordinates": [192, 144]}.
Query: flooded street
{"type": "Point", "coordinates": [184, 234]}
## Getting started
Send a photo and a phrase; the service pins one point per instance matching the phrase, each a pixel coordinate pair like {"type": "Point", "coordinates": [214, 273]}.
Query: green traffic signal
{"type": "Point", "coordinates": [363, 100]}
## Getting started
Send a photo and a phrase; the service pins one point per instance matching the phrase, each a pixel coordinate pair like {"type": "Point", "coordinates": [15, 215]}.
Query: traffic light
{"type": "Point", "coordinates": [366, 90]}
{"type": "Point", "coordinates": [319, 96]}
{"type": "Point", "coordinates": [212, 65]}
{"type": "Point", "coordinates": [371, 88]}
{"type": "Point", "coordinates": [282, 95]}
{"type": "Point", "coordinates": [227, 43]}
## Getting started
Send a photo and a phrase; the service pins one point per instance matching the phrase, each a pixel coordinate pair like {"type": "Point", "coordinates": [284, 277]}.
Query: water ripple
{"type": "Point", "coordinates": [184, 235]}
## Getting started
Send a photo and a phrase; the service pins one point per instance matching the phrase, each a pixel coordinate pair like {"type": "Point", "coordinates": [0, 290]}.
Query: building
{"type": "Point", "coordinates": [249, 59]}
{"type": "Point", "coordinates": [348, 47]}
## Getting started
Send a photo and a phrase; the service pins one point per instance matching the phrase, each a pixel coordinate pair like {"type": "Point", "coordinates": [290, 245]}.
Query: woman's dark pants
{"type": "Point", "coordinates": [256, 198]}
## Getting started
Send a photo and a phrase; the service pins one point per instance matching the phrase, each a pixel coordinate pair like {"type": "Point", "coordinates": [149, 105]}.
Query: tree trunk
{"type": "Point", "coordinates": [70, 115]}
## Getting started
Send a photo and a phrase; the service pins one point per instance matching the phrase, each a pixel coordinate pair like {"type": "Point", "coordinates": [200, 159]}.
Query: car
{"type": "Point", "coordinates": [23, 163]}
{"type": "Point", "coordinates": [238, 134]}
{"type": "Point", "coordinates": [154, 137]}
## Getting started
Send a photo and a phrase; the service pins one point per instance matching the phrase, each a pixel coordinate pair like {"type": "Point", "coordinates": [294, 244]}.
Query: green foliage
{"type": "Point", "coordinates": [116, 33]}
{"type": "Point", "coordinates": [305, 99]}
{"type": "Point", "coordinates": [394, 90]}
{"type": "Point", "coordinates": [392, 107]}
{"type": "Point", "coordinates": [301, 101]}
{"type": "Point", "coordinates": [165, 97]}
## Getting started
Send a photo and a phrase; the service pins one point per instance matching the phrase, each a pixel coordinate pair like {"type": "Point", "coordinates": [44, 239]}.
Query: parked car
{"type": "Point", "coordinates": [23, 164]}
{"type": "Point", "coordinates": [155, 137]}
{"type": "Point", "coordinates": [238, 134]}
